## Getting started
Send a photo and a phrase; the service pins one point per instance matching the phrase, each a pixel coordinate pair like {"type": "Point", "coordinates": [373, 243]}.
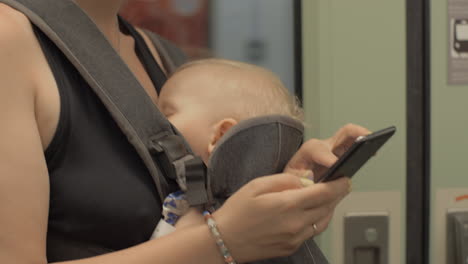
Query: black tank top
{"type": "Point", "coordinates": [102, 198]}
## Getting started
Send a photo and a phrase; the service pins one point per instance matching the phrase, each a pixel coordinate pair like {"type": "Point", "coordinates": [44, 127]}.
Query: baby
{"type": "Point", "coordinates": [205, 98]}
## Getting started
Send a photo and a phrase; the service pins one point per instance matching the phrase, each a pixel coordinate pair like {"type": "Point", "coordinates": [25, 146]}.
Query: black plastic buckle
{"type": "Point", "coordinates": [173, 158]}
{"type": "Point", "coordinates": [167, 150]}
{"type": "Point", "coordinates": [195, 175]}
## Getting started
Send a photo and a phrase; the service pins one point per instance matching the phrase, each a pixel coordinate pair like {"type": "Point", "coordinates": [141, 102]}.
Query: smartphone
{"type": "Point", "coordinates": [357, 155]}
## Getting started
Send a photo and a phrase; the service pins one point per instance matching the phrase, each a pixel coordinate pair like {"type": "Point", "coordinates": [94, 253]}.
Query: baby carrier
{"type": "Point", "coordinates": [271, 140]}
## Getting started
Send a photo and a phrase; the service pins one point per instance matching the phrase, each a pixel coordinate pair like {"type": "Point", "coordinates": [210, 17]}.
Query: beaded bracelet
{"type": "Point", "coordinates": [219, 241]}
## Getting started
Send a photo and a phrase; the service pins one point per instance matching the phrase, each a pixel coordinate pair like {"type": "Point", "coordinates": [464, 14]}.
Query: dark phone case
{"type": "Point", "coordinates": [359, 153]}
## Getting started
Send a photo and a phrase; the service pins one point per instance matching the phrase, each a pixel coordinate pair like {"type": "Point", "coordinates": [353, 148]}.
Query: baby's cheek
{"type": "Point", "coordinates": [177, 121]}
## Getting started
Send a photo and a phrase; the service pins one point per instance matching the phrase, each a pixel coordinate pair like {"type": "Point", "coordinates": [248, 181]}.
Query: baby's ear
{"type": "Point", "coordinates": [219, 129]}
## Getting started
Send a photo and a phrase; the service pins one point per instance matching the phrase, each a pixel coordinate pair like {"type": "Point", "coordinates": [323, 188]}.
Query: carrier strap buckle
{"type": "Point", "coordinates": [178, 164]}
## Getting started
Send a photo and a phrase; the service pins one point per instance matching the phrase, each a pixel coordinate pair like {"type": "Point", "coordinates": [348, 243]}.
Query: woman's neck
{"type": "Point", "coordinates": [104, 14]}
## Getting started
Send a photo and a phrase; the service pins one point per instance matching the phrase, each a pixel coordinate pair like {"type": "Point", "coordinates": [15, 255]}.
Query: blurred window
{"type": "Point", "coordinates": [260, 32]}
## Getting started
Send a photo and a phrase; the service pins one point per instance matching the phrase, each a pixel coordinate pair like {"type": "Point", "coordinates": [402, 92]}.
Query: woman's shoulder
{"type": "Point", "coordinates": [15, 27]}
{"type": "Point", "coordinates": [18, 43]}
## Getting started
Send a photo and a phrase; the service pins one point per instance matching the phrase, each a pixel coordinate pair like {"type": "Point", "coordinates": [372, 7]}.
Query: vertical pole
{"type": "Point", "coordinates": [418, 134]}
{"type": "Point", "coordinates": [298, 82]}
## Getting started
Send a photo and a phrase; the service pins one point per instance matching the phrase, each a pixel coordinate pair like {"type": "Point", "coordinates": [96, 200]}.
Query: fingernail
{"type": "Point", "coordinates": [306, 174]}
{"type": "Point", "coordinates": [306, 182]}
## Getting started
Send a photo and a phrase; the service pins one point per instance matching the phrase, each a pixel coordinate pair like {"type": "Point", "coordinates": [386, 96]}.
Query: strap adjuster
{"type": "Point", "coordinates": [195, 174]}
{"type": "Point", "coordinates": [178, 164]}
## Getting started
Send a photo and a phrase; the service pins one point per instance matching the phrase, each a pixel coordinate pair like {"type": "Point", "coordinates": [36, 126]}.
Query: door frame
{"type": "Point", "coordinates": [418, 131]}
{"type": "Point", "coordinates": [297, 15]}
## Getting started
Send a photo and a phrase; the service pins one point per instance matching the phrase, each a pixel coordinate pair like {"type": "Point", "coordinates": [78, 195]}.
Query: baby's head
{"type": "Point", "coordinates": [204, 99]}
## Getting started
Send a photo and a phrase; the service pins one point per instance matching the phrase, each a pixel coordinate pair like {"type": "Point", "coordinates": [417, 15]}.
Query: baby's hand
{"type": "Point", "coordinates": [192, 218]}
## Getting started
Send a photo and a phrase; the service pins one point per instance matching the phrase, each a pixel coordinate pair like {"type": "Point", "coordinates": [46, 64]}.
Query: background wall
{"type": "Point", "coordinates": [355, 71]}
{"type": "Point", "coordinates": [256, 31]}
{"type": "Point", "coordinates": [449, 130]}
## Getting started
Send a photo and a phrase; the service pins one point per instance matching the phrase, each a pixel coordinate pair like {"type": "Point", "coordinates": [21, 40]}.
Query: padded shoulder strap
{"type": "Point", "coordinates": [76, 35]}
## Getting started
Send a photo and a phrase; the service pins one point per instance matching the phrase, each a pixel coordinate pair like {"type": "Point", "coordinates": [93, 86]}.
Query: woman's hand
{"type": "Point", "coordinates": [272, 216]}
{"type": "Point", "coordinates": [193, 217]}
{"type": "Point", "coordinates": [316, 156]}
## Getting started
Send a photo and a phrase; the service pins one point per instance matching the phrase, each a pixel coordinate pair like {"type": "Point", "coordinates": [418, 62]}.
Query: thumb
{"type": "Point", "coordinates": [275, 183]}
{"type": "Point", "coordinates": [311, 154]}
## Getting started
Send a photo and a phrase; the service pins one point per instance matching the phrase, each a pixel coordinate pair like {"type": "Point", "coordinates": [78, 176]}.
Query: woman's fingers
{"type": "Point", "coordinates": [345, 137]}
{"type": "Point", "coordinates": [278, 201]}
{"type": "Point", "coordinates": [350, 132]}
{"type": "Point", "coordinates": [312, 152]}
{"type": "Point", "coordinates": [315, 216]}
{"type": "Point", "coordinates": [319, 152]}
{"type": "Point", "coordinates": [314, 155]}
{"type": "Point", "coordinates": [319, 155]}
{"type": "Point", "coordinates": [315, 228]}
{"type": "Point", "coordinates": [320, 215]}
{"type": "Point", "coordinates": [323, 223]}
{"type": "Point", "coordinates": [322, 193]}
{"type": "Point", "coordinates": [274, 183]}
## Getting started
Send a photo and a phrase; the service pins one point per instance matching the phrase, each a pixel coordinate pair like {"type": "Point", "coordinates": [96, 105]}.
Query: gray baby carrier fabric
{"type": "Point", "coordinates": [253, 148]}
{"type": "Point", "coordinates": [165, 153]}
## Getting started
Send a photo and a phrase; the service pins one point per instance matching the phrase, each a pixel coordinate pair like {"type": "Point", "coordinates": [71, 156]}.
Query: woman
{"type": "Point", "coordinates": [72, 188]}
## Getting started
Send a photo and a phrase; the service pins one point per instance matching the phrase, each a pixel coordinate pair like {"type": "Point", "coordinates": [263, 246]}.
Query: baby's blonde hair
{"type": "Point", "coordinates": [269, 98]}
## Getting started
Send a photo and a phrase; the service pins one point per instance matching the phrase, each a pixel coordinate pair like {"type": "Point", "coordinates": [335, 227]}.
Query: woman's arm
{"type": "Point", "coordinates": [24, 186]}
